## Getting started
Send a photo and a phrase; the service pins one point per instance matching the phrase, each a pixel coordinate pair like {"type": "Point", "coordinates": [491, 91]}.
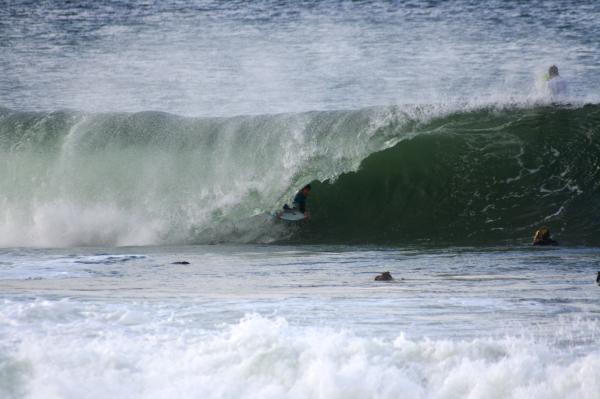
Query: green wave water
{"type": "Point", "coordinates": [71, 178]}
{"type": "Point", "coordinates": [486, 176]}
{"type": "Point", "coordinates": [384, 175]}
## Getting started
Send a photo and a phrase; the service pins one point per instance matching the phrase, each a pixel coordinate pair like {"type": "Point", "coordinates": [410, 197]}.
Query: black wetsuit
{"type": "Point", "coordinates": [300, 202]}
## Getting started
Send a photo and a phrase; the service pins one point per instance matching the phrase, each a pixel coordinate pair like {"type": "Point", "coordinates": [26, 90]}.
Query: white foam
{"type": "Point", "coordinates": [259, 357]}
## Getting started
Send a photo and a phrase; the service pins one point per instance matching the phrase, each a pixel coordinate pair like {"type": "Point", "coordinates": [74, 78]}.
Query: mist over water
{"type": "Point", "coordinates": [216, 58]}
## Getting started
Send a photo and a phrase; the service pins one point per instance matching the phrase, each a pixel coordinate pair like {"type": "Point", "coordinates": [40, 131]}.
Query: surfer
{"type": "Point", "coordinates": [385, 276]}
{"type": "Point", "coordinates": [556, 85]}
{"type": "Point", "coordinates": [299, 204]}
{"type": "Point", "coordinates": [300, 200]}
{"type": "Point", "coordinates": [298, 212]}
{"type": "Point", "coordinates": [542, 237]}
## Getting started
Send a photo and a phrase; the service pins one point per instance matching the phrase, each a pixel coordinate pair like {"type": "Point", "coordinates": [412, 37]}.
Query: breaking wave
{"type": "Point", "coordinates": [381, 175]}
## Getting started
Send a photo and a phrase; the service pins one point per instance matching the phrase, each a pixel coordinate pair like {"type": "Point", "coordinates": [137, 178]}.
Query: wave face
{"type": "Point", "coordinates": [381, 175]}
{"type": "Point", "coordinates": [70, 178]}
{"type": "Point", "coordinates": [475, 177]}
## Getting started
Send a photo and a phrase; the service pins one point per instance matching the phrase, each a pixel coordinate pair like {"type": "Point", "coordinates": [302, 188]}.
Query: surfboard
{"type": "Point", "coordinates": [290, 215]}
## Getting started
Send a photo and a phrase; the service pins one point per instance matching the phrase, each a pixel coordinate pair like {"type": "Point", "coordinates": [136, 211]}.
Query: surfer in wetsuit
{"type": "Point", "coordinates": [556, 85]}
{"type": "Point", "coordinates": [300, 199]}
{"type": "Point", "coordinates": [542, 237]}
{"type": "Point", "coordinates": [299, 204]}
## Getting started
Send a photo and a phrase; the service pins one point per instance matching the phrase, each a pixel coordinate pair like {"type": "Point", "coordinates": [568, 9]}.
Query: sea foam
{"type": "Point", "coordinates": [133, 355]}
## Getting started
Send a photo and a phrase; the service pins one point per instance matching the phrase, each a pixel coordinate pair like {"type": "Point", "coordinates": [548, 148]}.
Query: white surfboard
{"type": "Point", "coordinates": [291, 215]}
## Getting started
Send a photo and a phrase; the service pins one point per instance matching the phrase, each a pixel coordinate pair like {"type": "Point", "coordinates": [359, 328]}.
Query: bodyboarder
{"type": "Point", "coordinates": [299, 204]}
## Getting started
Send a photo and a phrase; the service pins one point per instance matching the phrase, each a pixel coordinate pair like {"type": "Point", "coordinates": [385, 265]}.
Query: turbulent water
{"type": "Point", "coordinates": [291, 322]}
{"type": "Point", "coordinates": [138, 134]}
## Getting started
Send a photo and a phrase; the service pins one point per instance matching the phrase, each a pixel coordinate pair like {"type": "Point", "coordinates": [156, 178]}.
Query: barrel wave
{"type": "Point", "coordinates": [486, 176]}
{"type": "Point", "coordinates": [384, 175]}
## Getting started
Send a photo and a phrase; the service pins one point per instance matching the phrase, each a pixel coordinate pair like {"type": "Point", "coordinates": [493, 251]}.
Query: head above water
{"type": "Point", "coordinates": [553, 71]}
{"type": "Point", "coordinates": [306, 189]}
{"type": "Point", "coordinates": [543, 234]}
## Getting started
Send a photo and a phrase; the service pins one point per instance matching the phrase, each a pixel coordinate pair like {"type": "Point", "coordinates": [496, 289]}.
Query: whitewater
{"type": "Point", "coordinates": [145, 147]}
{"type": "Point", "coordinates": [274, 322]}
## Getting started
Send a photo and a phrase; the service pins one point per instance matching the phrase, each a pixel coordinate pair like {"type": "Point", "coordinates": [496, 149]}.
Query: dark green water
{"type": "Point", "coordinates": [478, 177]}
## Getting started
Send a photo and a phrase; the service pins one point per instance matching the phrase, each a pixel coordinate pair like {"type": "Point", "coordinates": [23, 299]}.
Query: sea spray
{"type": "Point", "coordinates": [147, 178]}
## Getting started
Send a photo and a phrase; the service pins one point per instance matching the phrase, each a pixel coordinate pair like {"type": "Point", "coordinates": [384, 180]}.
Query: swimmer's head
{"type": "Point", "coordinates": [552, 71]}
{"type": "Point", "coordinates": [542, 234]}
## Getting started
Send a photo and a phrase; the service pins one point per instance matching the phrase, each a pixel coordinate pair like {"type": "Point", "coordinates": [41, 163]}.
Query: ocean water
{"type": "Point", "coordinates": [137, 134]}
{"type": "Point", "coordinates": [299, 321]}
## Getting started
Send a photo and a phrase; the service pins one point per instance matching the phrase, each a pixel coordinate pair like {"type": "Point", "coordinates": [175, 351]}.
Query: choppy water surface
{"type": "Point", "coordinates": [300, 321]}
{"type": "Point", "coordinates": [230, 57]}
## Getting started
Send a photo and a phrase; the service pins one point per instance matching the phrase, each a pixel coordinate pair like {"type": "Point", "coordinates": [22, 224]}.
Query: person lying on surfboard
{"type": "Point", "coordinates": [300, 202]}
